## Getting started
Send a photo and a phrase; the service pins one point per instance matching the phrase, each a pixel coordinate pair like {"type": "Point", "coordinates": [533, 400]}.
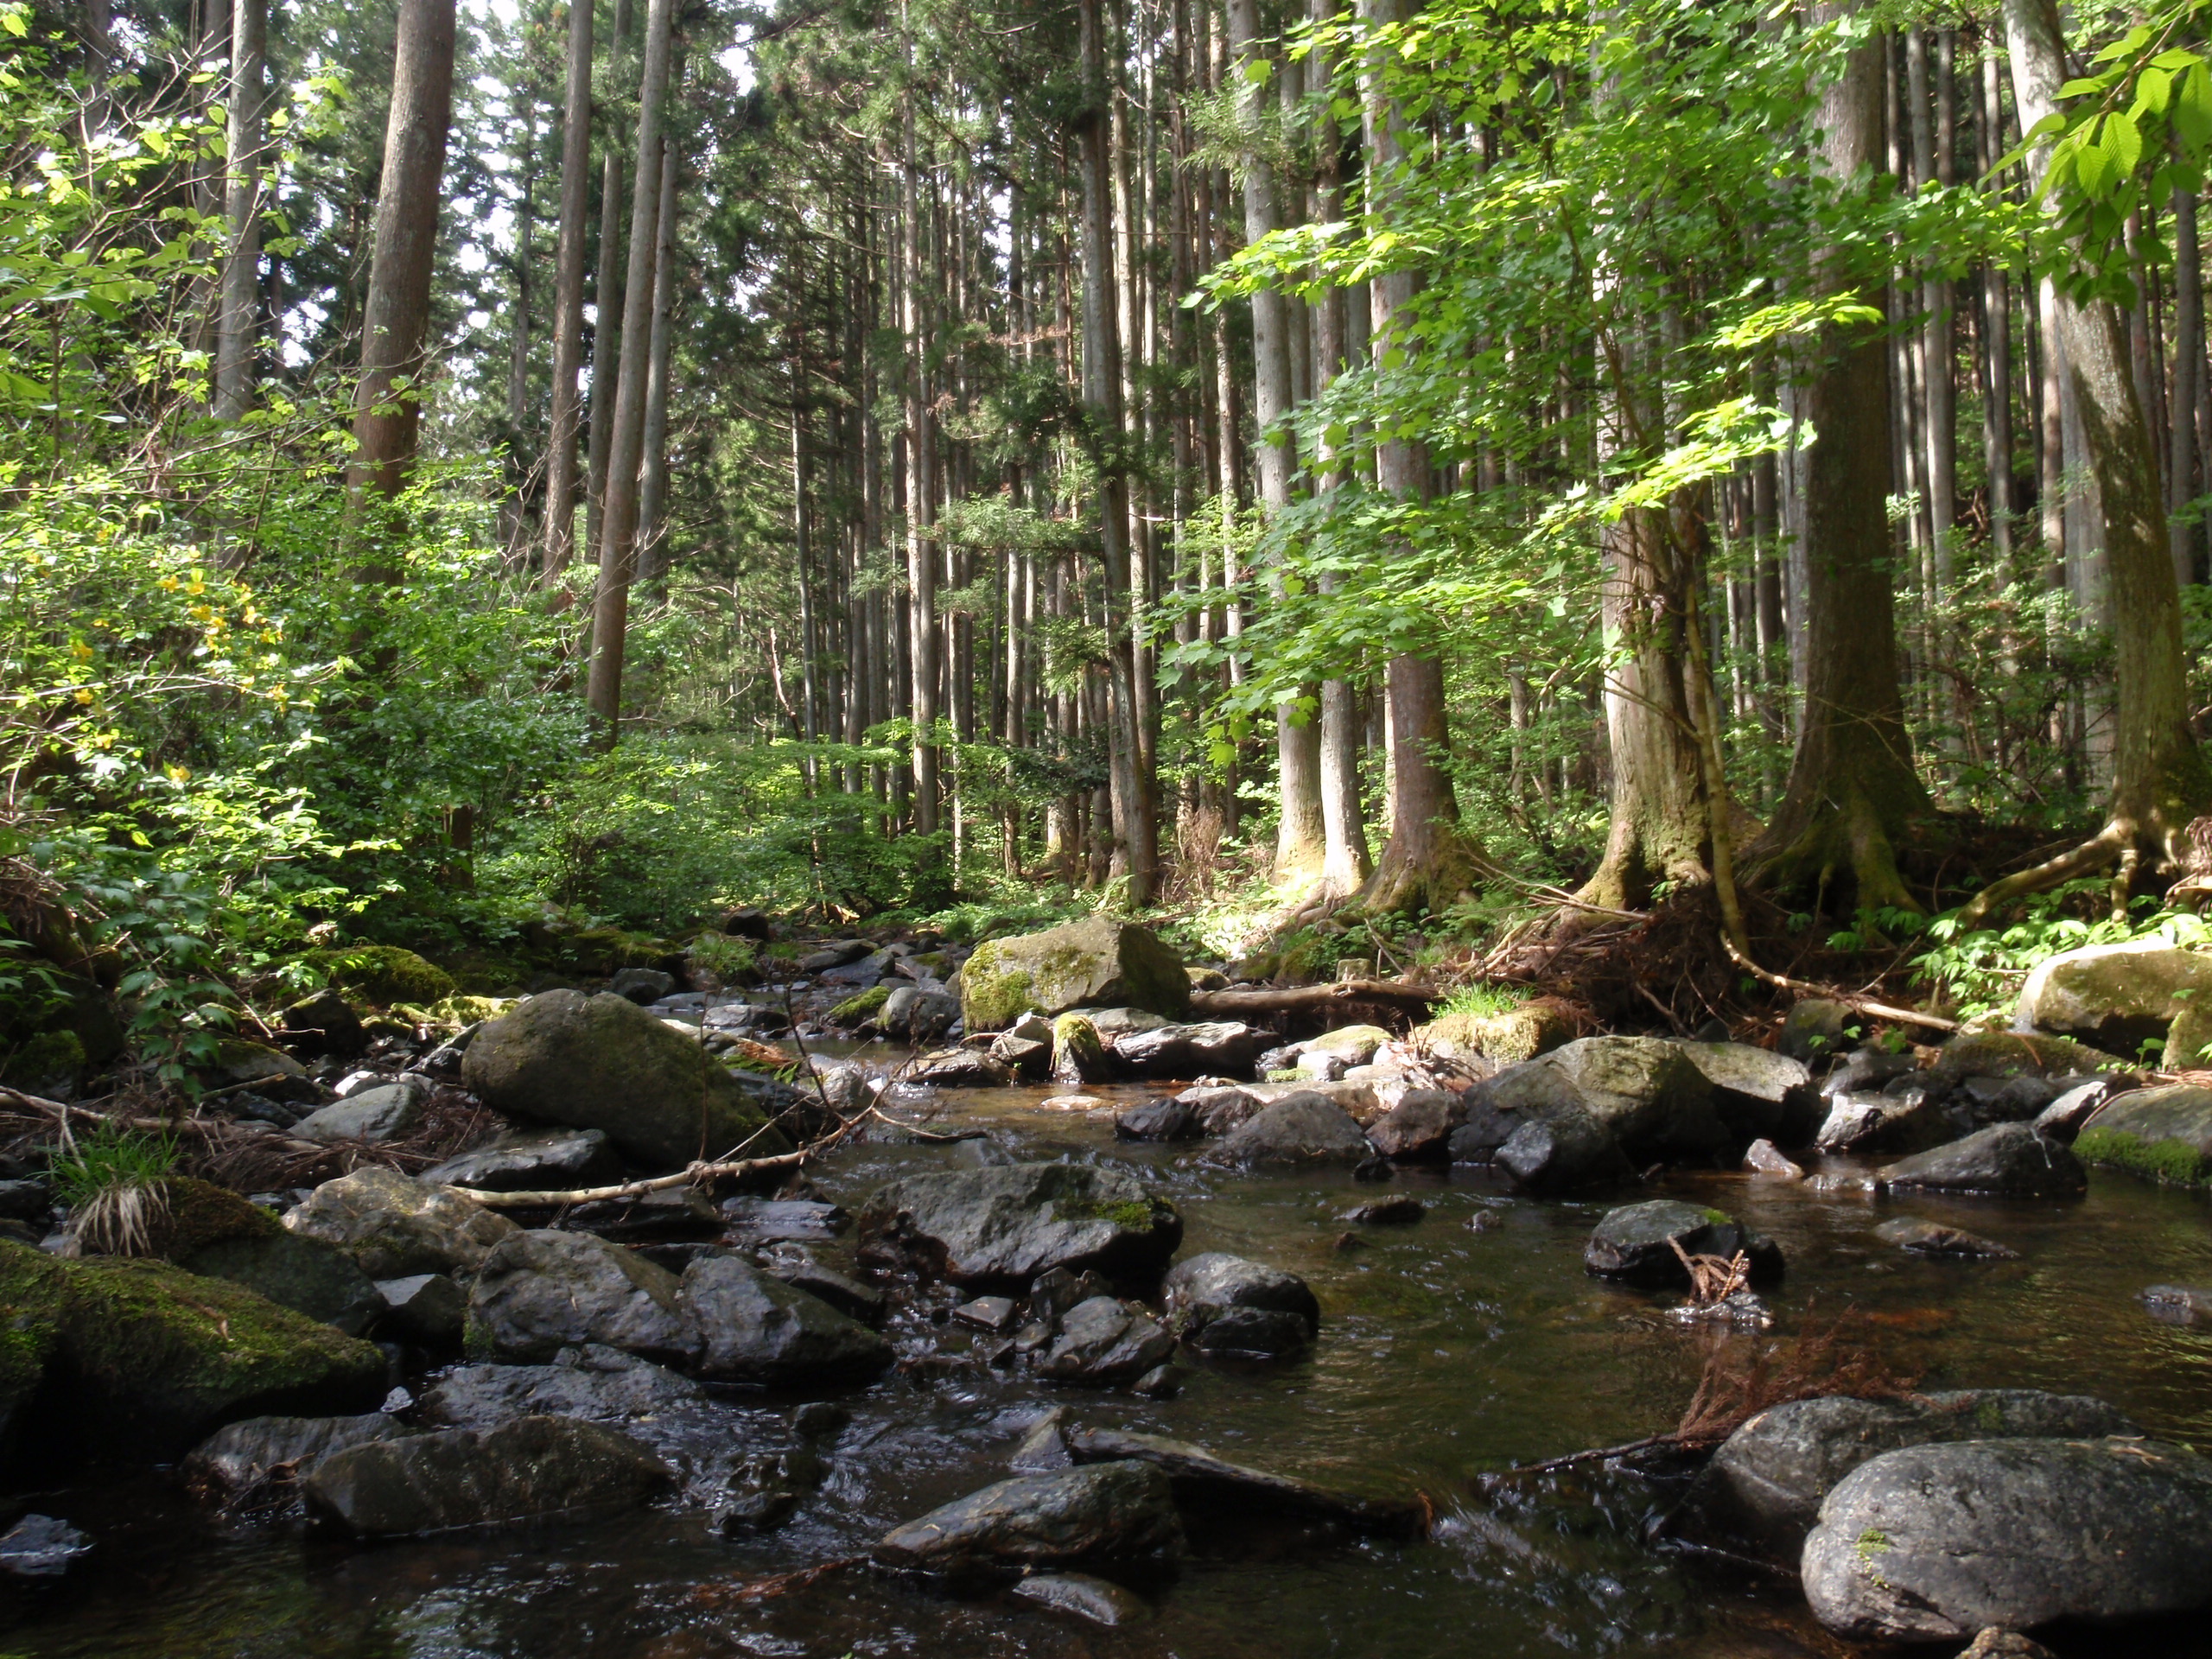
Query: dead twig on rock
{"type": "Point", "coordinates": [1712, 1279]}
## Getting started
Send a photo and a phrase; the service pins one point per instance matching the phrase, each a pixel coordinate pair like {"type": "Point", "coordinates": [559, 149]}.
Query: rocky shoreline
{"type": "Point", "coordinates": [500, 1338]}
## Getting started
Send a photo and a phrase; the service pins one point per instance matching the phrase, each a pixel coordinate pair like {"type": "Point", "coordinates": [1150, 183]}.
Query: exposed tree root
{"type": "Point", "coordinates": [2116, 843]}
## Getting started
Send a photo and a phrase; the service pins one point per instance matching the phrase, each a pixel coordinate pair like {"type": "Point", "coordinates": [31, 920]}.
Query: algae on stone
{"type": "Point", "coordinates": [1095, 963]}
{"type": "Point", "coordinates": [386, 973]}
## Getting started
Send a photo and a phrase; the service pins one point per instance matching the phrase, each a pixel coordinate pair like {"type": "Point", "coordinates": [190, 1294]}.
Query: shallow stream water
{"type": "Point", "coordinates": [1448, 1354]}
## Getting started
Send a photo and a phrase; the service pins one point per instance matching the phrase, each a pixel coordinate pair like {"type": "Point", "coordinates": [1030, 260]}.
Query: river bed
{"type": "Point", "coordinates": [1446, 1354]}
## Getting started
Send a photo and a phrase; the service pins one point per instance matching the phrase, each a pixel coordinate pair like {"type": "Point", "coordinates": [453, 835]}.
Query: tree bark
{"type": "Point", "coordinates": [237, 326]}
{"type": "Point", "coordinates": [1301, 842]}
{"type": "Point", "coordinates": [921, 483]}
{"type": "Point", "coordinates": [652, 485]}
{"type": "Point", "coordinates": [607, 304]}
{"type": "Point", "coordinates": [569, 298]}
{"type": "Point", "coordinates": [2188, 367]}
{"type": "Point", "coordinates": [1428, 861]}
{"type": "Point", "coordinates": [1853, 791]}
{"type": "Point", "coordinates": [396, 319]}
{"type": "Point", "coordinates": [2159, 780]}
{"type": "Point", "coordinates": [618, 523]}
{"type": "Point", "coordinates": [1136, 822]}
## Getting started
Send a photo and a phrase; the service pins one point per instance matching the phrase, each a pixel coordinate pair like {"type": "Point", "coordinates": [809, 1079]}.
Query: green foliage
{"type": "Point", "coordinates": [110, 1157]}
{"type": "Point", "coordinates": [384, 974]}
{"type": "Point", "coordinates": [730, 959]}
{"type": "Point", "coordinates": [1481, 1001]}
{"type": "Point", "coordinates": [1982, 971]}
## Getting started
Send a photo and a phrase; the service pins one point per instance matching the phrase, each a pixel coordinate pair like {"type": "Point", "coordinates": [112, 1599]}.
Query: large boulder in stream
{"type": "Point", "coordinates": [1304, 1128]}
{"type": "Point", "coordinates": [2004, 1161]}
{"type": "Point", "coordinates": [1093, 963]}
{"type": "Point", "coordinates": [142, 1359]}
{"type": "Point", "coordinates": [540, 1291]}
{"type": "Point", "coordinates": [1761, 1492]}
{"type": "Point", "coordinates": [1224, 1304]}
{"type": "Point", "coordinates": [1648, 1092]}
{"type": "Point", "coordinates": [394, 1227]}
{"type": "Point", "coordinates": [1005, 1225]}
{"type": "Point", "coordinates": [1418, 1129]}
{"type": "Point", "coordinates": [2120, 996]}
{"type": "Point", "coordinates": [1758, 1093]}
{"type": "Point", "coordinates": [1225, 1048]}
{"type": "Point", "coordinates": [2161, 1135]}
{"type": "Point", "coordinates": [1122, 1511]}
{"type": "Point", "coordinates": [603, 1062]}
{"type": "Point", "coordinates": [533, 1469]}
{"type": "Point", "coordinates": [752, 1328]}
{"type": "Point", "coordinates": [1935, 1543]}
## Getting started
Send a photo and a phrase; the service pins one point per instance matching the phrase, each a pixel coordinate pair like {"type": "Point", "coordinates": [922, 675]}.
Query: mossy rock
{"type": "Point", "coordinates": [2160, 1135]}
{"type": "Point", "coordinates": [2017, 1054]}
{"type": "Point", "coordinates": [237, 1060]}
{"type": "Point", "coordinates": [46, 1063]}
{"type": "Point", "coordinates": [160, 1357]}
{"type": "Point", "coordinates": [488, 973]}
{"type": "Point", "coordinates": [1095, 963]}
{"type": "Point", "coordinates": [200, 1214]}
{"type": "Point", "coordinates": [856, 1011]}
{"type": "Point", "coordinates": [454, 1014]}
{"type": "Point", "coordinates": [1521, 1034]}
{"type": "Point", "coordinates": [605, 951]}
{"type": "Point", "coordinates": [33, 1291]}
{"type": "Point", "coordinates": [386, 973]}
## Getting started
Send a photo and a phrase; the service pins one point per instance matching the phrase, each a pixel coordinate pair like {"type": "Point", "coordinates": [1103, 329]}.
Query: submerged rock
{"type": "Point", "coordinates": [1938, 1542]}
{"type": "Point", "coordinates": [1304, 1128]}
{"type": "Point", "coordinates": [764, 1489]}
{"type": "Point", "coordinates": [394, 1227]}
{"type": "Point", "coordinates": [1200, 1477]}
{"type": "Point", "coordinates": [533, 1469]}
{"type": "Point", "coordinates": [540, 1291]}
{"type": "Point", "coordinates": [240, 1456]}
{"type": "Point", "coordinates": [1762, 1489]}
{"type": "Point", "coordinates": [40, 1547]}
{"type": "Point", "coordinates": [2179, 1304]}
{"type": "Point", "coordinates": [1099, 1600]}
{"type": "Point", "coordinates": [2005, 1159]}
{"type": "Point", "coordinates": [752, 1328]}
{"type": "Point", "coordinates": [1636, 1245]}
{"type": "Point", "coordinates": [603, 1062]}
{"type": "Point", "coordinates": [1106, 1512]}
{"type": "Point", "coordinates": [1920, 1237]}
{"type": "Point", "coordinates": [1095, 963]}
{"type": "Point", "coordinates": [1004, 1226]}
{"type": "Point", "coordinates": [1224, 1306]}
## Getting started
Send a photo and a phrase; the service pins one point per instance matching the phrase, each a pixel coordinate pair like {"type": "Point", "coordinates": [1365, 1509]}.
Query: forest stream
{"type": "Point", "coordinates": [1448, 1352]}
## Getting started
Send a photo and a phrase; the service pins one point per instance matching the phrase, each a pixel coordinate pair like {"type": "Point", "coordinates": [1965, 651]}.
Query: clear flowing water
{"type": "Point", "coordinates": [1448, 1354]}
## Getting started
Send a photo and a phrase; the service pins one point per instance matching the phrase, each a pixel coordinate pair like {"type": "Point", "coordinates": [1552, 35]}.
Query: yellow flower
{"type": "Point", "coordinates": [168, 584]}
{"type": "Point", "coordinates": [83, 696]}
{"type": "Point", "coordinates": [178, 774]}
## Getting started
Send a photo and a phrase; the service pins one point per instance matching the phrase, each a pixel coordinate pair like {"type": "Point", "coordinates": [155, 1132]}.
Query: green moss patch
{"type": "Point", "coordinates": [858, 1010]}
{"type": "Point", "coordinates": [386, 973]}
{"type": "Point", "coordinates": [2176, 1163]}
{"type": "Point", "coordinates": [201, 1213]}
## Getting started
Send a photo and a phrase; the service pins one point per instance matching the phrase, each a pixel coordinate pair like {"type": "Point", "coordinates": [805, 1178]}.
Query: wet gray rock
{"type": "Point", "coordinates": [1220, 1108]}
{"type": "Point", "coordinates": [604, 1063]}
{"type": "Point", "coordinates": [1993, 1644]}
{"type": "Point", "coordinates": [373, 1115]}
{"type": "Point", "coordinates": [1056, 1290]}
{"type": "Point", "coordinates": [988, 1312]}
{"type": "Point", "coordinates": [833, 953]}
{"type": "Point", "coordinates": [1099, 1601]}
{"type": "Point", "coordinates": [1106, 1512]}
{"type": "Point", "coordinates": [1918, 1238]}
{"type": "Point", "coordinates": [1102, 1342]}
{"type": "Point", "coordinates": [959, 1068]}
{"type": "Point", "coordinates": [1300, 1129]}
{"type": "Point", "coordinates": [535, 1468]}
{"type": "Point", "coordinates": [752, 1328]}
{"type": "Point", "coordinates": [1636, 1244]}
{"type": "Point", "coordinates": [40, 1547]}
{"type": "Point", "coordinates": [766, 1221]}
{"type": "Point", "coordinates": [1865, 1124]}
{"type": "Point", "coordinates": [1418, 1129]}
{"type": "Point", "coordinates": [394, 1227]}
{"type": "Point", "coordinates": [1201, 1477]}
{"type": "Point", "coordinates": [1225, 1048]}
{"type": "Point", "coordinates": [1157, 1120]}
{"type": "Point", "coordinates": [1866, 1070]}
{"type": "Point", "coordinates": [540, 1291]}
{"type": "Point", "coordinates": [2071, 1107]}
{"type": "Point", "coordinates": [241, 1457]}
{"type": "Point", "coordinates": [765, 1489]}
{"type": "Point", "coordinates": [2004, 1054]}
{"type": "Point", "coordinates": [1647, 1091]}
{"type": "Point", "coordinates": [595, 1383]}
{"type": "Point", "coordinates": [2017, 1100]}
{"type": "Point", "coordinates": [1764, 1158]}
{"type": "Point", "coordinates": [1005, 1226]}
{"type": "Point", "coordinates": [1224, 1306]}
{"type": "Point", "coordinates": [1938, 1542]}
{"type": "Point", "coordinates": [428, 1308]}
{"type": "Point", "coordinates": [1759, 1093]}
{"type": "Point", "coordinates": [675, 1212]}
{"type": "Point", "coordinates": [308, 1275]}
{"type": "Point", "coordinates": [2006, 1159]}
{"type": "Point", "coordinates": [1386, 1212]}
{"type": "Point", "coordinates": [533, 1160]}
{"type": "Point", "coordinates": [1044, 1446]}
{"type": "Point", "coordinates": [1762, 1489]}
{"type": "Point", "coordinates": [797, 1267]}
{"type": "Point", "coordinates": [642, 985]}
{"type": "Point", "coordinates": [1563, 1154]}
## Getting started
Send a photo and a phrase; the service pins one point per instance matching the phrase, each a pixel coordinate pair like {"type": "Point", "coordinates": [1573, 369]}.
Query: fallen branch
{"type": "Point", "coordinates": [1303, 997]}
{"type": "Point", "coordinates": [215, 1128]}
{"type": "Point", "coordinates": [696, 1174]}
